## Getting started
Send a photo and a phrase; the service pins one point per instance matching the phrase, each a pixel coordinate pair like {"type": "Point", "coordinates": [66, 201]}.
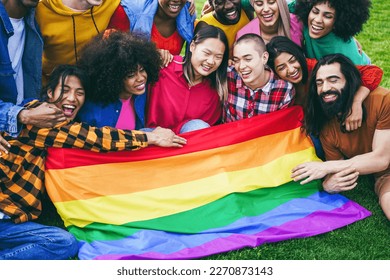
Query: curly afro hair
{"type": "Point", "coordinates": [350, 14]}
{"type": "Point", "coordinates": [111, 56]}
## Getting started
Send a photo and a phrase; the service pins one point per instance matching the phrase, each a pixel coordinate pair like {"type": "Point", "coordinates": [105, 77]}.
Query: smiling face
{"type": "Point", "coordinates": [134, 83]}
{"type": "Point", "coordinates": [249, 62]}
{"type": "Point", "coordinates": [171, 8]}
{"type": "Point", "coordinates": [288, 68]}
{"type": "Point", "coordinates": [227, 11]}
{"type": "Point", "coordinates": [321, 20]}
{"type": "Point", "coordinates": [330, 82]}
{"type": "Point", "coordinates": [206, 57]}
{"type": "Point", "coordinates": [73, 96]}
{"type": "Point", "coordinates": [267, 11]}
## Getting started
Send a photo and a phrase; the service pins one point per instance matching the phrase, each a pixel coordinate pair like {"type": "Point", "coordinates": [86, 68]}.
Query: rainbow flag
{"type": "Point", "coordinates": [228, 188]}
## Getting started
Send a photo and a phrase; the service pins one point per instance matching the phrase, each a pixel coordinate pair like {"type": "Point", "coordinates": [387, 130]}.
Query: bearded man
{"type": "Point", "coordinates": [366, 150]}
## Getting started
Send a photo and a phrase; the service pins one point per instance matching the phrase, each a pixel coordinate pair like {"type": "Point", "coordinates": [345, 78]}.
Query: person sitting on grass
{"type": "Point", "coordinates": [289, 62]}
{"type": "Point", "coordinates": [253, 88]}
{"type": "Point", "coordinates": [189, 92]}
{"type": "Point", "coordinates": [365, 150]}
{"type": "Point", "coordinates": [120, 65]}
{"type": "Point", "coordinates": [22, 167]}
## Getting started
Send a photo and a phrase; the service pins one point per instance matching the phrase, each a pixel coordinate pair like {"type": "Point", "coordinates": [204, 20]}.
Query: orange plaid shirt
{"type": "Point", "coordinates": [22, 169]}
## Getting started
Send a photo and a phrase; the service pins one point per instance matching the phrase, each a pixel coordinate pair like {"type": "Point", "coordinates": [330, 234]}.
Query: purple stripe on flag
{"type": "Point", "coordinates": [316, 223]}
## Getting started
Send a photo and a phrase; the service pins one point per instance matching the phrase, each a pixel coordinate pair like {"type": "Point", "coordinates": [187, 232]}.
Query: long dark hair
{"type": "Point", "coordinates": [59, 74]}
{"type": "Point", "coordinates": [218, 78]}
{"type": "Point", "coordinates": [315, 118]}
{"type": "Point", "coordinates": [280, 44]}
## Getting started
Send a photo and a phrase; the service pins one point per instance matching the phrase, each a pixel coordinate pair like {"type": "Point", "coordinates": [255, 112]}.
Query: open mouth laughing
{"type": "Point", "coordinates": [268, 17]}
{"type": "Point", "coordinates": [140, 86]}
{"type": "Point", "coordinates": [330, 96]}
{"type": "Point", "coordinates": [245, 74]}
{"type": "Point", "coordinates": [295, 75]}
{"type": "Point", "coordinates": [316, 29]}
{"type": "Point", "coordinates": [232, 15]}
{"type": "Point", "coordinates": [68, 110]}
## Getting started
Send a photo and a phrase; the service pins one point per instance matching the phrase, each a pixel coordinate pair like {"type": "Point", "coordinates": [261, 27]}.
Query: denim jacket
{"type": "Point", "coordinates": [32, 69]}
{"type": "Point", "coordinates": [141, 14]}
{"type": "Point", "coordinates": [97, 114]}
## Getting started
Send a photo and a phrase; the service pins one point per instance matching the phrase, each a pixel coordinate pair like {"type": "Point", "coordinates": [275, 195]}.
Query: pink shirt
{"type": "Point", "coordinates": [126, 119]}
{"type": "Point", "coordinates": [172, 102]}
{"type": "Point", "coordinates": [296, 28]}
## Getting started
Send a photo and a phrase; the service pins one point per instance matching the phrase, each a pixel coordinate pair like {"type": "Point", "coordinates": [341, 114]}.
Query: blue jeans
{"type": "Point", "coordinates": [192, 125]}
{"type": "Point", "coordinates": [187, 127]}
{"type": "Point", "coordinates": [32, 241]}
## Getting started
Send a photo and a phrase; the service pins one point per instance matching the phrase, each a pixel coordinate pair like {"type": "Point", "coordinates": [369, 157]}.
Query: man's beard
{"type": "Point", "coordinates": [331, 109]}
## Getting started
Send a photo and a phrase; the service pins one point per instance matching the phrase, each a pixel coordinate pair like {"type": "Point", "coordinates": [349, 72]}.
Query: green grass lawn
{"type": "Point", "coordinates": [375, 38]}
{"type": "Point", "coordinates": [368, 239]}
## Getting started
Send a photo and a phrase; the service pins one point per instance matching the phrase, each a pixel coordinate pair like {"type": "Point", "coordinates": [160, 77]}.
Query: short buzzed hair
{"type": "Point", "coordinates": [251, 37]}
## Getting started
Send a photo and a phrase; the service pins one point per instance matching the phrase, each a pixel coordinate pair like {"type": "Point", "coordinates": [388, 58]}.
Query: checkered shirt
{"type": "Point", "coordinates": [243, 102]}
{"type": "Point", "coordinates": [22, 170]}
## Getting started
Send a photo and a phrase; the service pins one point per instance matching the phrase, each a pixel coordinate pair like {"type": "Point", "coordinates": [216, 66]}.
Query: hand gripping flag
{"type": "Point", "coordinates": [228, 188]}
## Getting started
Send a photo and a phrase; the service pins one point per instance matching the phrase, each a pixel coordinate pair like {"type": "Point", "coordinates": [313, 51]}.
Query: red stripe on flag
{"type": "Point", "coordinates": [210, 138]}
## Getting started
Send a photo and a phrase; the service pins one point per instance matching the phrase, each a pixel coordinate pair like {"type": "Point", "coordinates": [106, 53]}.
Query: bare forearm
{"type": "Point", "coordinates": [361, 94]}
{"type": "Point", "coordinates": [364, 164]}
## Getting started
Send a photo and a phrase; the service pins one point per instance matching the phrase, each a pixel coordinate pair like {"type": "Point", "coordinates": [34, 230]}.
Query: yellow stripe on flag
{"type": "Point", "coordinates": [154, 203]}
{"type": "Point", "coordinates": [124, 178]}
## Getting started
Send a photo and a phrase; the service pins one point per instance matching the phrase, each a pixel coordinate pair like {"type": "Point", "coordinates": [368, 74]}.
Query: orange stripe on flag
{"type": "Point", "coordinates": [87, 182]}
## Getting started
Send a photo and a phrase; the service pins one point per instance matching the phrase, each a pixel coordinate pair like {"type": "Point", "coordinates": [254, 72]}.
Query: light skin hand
{"type": "Point", "coordinates": [44, 116]}
{"type": "Point", "coordinates": [4, 146]}
{"type": "Point", "coordinates": [164, 137]}
{"type": "Point", "coordinates": [192, 8]}
{"type": "Point", "coordinates": [354, 120]}
{"type": "Point", "coordinates": [341, 181]}
{"type": "Point", "coordinates": [207, 8]}
{"type": "Point", "coordinates": [166, 57]}
{"type": "Point", "coordinates": [313, 170]}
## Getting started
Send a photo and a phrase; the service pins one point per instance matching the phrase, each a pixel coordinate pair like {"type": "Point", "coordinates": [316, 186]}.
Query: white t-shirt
{"type": "Point", "coordinates": [15, 50]}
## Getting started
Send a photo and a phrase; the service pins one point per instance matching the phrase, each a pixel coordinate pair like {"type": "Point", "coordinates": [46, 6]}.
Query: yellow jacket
{"type": "Point", "coordinates": [65, 31]}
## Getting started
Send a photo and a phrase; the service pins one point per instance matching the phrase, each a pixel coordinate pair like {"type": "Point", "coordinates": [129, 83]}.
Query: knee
{"type": "Point", "coordinates": [65, 244]}
{"type": "Point", "coordinates": [384, 201]}
{"type": "Point", "coordinates": [194, 125]}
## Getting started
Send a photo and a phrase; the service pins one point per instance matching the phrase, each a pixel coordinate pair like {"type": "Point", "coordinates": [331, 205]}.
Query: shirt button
{"type": "Point", "coordinates": [117, 111]}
